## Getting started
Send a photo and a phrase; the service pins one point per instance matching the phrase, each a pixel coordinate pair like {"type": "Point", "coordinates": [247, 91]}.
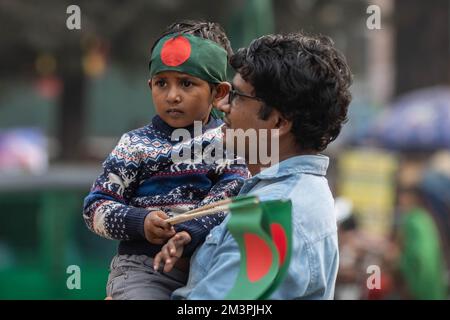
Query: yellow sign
{"type": "Point", "coordinates": [367, 178]}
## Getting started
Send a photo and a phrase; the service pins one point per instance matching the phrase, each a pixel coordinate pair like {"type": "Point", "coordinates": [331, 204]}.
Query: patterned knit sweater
{"type": "Point", "coordinates": [139, 176]}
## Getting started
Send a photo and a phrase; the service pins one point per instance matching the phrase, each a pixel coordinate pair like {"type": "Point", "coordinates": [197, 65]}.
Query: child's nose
{"type": "Point", "coordinates": [173, 95]}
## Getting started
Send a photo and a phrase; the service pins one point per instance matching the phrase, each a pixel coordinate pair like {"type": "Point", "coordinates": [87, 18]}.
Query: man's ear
{"type": "Point", "coordinates": [282, 124]}
{"type": "Point", "coordinates": [150, 83]}
{"type": "Point", "coordinates": [221, 91]}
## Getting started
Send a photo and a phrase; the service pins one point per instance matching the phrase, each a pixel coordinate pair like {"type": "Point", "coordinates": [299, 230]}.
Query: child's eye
{"type": "Point", "coordinates": [186, 83]}
{"type": "Point", "coordinates": [160, 83]}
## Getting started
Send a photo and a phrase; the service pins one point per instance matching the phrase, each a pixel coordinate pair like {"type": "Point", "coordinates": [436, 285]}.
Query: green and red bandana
{"type": "Point", "coordinates": [189, 54]}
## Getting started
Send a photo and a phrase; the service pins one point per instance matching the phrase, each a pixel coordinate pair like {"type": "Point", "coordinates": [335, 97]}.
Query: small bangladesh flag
{"type": "Point", "coordinates": [263, 231]}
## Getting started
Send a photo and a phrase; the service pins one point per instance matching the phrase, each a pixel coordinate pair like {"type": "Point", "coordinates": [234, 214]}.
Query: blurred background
{"type": "Point", "coordinates": [66, 97]}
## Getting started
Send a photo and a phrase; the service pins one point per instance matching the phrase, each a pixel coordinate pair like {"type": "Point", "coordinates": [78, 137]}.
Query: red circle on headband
{"type": "Point", "coordinates": [175, 51]}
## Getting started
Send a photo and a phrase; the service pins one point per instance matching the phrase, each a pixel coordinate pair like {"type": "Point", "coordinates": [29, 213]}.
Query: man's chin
{"type": "Point", "coordinates": [224, 129]}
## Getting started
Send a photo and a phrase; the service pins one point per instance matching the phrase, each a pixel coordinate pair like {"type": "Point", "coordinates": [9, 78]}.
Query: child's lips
{"type": "Point", "coordinates": [175, 112]}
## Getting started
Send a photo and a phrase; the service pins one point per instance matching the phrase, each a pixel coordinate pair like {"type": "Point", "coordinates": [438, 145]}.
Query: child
{"type": "Point", "coordinates": [141, 185]}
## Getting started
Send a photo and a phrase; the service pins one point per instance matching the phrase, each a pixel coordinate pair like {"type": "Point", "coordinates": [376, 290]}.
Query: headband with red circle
{"type": "Point", "coordinates": [189, 54]}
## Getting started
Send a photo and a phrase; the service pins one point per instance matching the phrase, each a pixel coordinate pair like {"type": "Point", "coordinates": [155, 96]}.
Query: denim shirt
{"type": "Point", "coordinates": [315, 257]}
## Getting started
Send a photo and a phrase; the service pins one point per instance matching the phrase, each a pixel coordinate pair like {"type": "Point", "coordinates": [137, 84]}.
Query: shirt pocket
{"type": "Point", "coordinates": [203, 255]}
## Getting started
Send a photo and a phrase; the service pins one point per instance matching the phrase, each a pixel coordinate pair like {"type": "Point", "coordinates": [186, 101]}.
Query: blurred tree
{"type": "Point", "coordinates": [343, 21]}
{"type": "Point", "coordinates": [36, 43]}
{"type": "Point", "coordinates": [422, 43]}
{"type": "Point", "coordinates": [251, 19]}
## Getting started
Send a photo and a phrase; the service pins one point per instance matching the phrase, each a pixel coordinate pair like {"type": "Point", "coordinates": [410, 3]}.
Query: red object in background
{"type": "Point", "coordinates": [48, 87]}
{"type": "Point", "coordinates": [383, 292]}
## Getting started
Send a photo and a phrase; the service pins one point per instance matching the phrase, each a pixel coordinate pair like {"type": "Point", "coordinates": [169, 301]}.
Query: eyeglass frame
{"type": "Point", "coordinates": [233, 93]}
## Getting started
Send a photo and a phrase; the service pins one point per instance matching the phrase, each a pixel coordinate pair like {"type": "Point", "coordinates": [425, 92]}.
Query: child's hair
{"type": "Point", "coordinates": [207, 30]}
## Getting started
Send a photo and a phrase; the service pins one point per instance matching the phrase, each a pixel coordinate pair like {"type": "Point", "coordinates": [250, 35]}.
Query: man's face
{"type": "Point", "coordinates": [242, 113]}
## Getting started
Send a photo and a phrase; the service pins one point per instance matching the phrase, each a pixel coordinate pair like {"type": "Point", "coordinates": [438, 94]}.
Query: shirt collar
{"type": "Point", "coordinates": [311, 164]}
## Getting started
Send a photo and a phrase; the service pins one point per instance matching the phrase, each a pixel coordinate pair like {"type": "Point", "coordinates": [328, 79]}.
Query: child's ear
{"type": "Point", "coordinates": [222, 90]}
{"type": "Point", "coordinates": [150, 83]}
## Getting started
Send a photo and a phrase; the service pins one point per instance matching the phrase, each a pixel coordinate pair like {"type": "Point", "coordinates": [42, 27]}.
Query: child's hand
{"type": "Point", "coordinates": [172, 251]}
{"type": "Point", "coordinates": [156, 229]}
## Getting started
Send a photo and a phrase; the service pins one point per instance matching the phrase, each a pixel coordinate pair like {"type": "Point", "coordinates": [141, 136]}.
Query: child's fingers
{"type": "Point", "coordinates": [170, 262]}
{"type": "Point", "coordinates": [161, 214]}
{"type": "Point", "coordinates": [172, 246]}
{"type": "Point", "coordinates": [160, 233]}
{"type": "Point", "coordinates": [176, 244]}
{"type": "Point", "coordinates": [159, 223]}
{"type": "Point", "coordinates": [165, 254]}
{"type": "Point", "coordinates": [162, 256]}
{"type": "Point", "coordinates": [170, 232]}
{"type": "Point", "coordinates": [160, 220]}
{"type": "Point", "coordinates": [182, 238]}
{"type": "Point", "coordinates": [157, 232]}
{"type": "Point", "coordinates": [169, 265]}
{"type": "Point", "coordinates": [157, 236]}
{"type": "Point", "coordinates": [165, 234]}
{"type": "Point", "coordinates": [157, 261]}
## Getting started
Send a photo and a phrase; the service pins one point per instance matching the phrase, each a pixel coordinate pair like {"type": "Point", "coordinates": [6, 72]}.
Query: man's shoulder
{"type": "Point", "coordinates": [312, 202]}
{"type": "Point", "coordinates": [291, 185]}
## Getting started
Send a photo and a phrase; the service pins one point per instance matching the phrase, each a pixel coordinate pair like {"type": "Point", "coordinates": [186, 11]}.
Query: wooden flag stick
{"type": "Point", "coordinates": [189, 216]}
{"type": "Point", "coordinates": [211, 205]}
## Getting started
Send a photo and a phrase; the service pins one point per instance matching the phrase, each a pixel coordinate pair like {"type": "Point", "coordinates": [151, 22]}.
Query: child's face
{"type": "Point", "coordinates": [180, 99]}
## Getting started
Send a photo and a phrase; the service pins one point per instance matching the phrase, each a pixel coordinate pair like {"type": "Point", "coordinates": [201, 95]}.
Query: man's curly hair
{"type": "Point", "coordinates": [305, 78]}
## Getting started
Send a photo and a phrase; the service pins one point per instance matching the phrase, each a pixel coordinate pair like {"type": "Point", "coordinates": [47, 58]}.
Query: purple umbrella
{"type": "Point", "coordinates": [419, 120]}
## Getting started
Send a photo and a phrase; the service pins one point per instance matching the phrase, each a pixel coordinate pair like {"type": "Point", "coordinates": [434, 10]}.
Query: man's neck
{"type": "Point", "coordinates": [257, 167]}
{"type": "Point", "coordinates": [254, 168]}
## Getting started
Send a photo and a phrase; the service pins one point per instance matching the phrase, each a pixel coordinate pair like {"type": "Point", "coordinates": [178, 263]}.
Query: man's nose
{"type": "Point", "coordinates": [223, 105]}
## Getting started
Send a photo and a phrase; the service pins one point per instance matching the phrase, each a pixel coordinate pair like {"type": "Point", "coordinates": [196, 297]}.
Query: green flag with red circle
{"type": "Point", "coordinates": [263, 231]}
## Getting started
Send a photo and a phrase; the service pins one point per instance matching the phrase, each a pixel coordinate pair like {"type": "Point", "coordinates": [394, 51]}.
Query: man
{"type": "Point", "coordinates": [298, 85]}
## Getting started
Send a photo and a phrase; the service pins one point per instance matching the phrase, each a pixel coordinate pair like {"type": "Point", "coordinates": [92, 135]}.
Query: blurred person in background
{"type": "Point", "coordinates": [420, 262]}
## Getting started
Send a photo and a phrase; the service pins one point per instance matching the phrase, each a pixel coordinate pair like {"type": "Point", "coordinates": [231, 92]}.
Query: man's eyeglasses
{"type": "Point", "coordinates": [233, 93]}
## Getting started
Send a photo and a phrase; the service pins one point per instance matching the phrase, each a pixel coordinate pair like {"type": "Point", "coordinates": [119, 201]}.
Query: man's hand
{"type": "Point", "coordinates": [156, 229]}
{"type": "Point", "coordinates": [172, 251]}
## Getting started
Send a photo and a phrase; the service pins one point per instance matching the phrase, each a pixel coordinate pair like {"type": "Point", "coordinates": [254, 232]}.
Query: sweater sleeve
{"type": "Point", "coordinates": [229, 182]}
{"type": "Point", "coordinates": [106, 209]}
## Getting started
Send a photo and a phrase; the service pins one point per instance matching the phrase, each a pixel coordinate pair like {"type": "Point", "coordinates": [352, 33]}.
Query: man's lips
{"type": "Point", "coordinates": [225, 127]}
{"type": "Point", "coordinates": [227, 123]}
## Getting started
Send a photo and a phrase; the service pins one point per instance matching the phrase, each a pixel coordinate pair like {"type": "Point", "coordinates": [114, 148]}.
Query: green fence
{"type": "Point", "coordinates": [42, 233]}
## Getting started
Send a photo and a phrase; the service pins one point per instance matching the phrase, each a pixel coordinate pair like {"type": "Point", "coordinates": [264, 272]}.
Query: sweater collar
{"type": "Point", "coordinates": [160, 125]}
